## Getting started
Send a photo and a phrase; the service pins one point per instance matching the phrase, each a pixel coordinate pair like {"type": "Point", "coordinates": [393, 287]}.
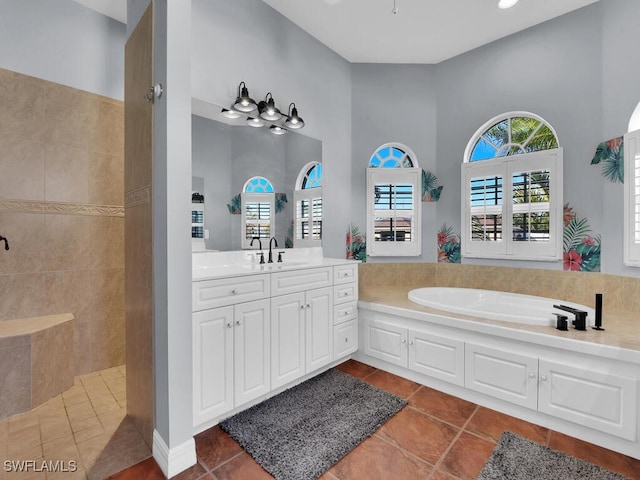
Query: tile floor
{"type": "Point", "coordinates": [435, 437]}
{"type": "Point", "coordinates": [85, 425]}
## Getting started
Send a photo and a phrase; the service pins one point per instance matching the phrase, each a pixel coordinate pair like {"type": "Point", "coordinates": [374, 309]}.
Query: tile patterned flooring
{"type": "Point", "coordinates": [85, 425]}
{"type": "Point", "coordinates": [436, 437]}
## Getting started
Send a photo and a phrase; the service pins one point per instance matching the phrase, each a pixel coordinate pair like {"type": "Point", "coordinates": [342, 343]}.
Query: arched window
{"type": "Point", "coordinates": [258, 210]}
{"type": "Point", "coordinates": [631, 253]}
{"type": "Point", "coordinates": [308, 201]}
{"type": "Point", "coordinates": [393, 202]}
{"type": "Point", "coordinates": [512, 199]}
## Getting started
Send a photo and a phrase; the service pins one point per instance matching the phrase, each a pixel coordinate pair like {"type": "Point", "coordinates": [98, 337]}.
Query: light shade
{"type": "Point", "coordinates": [226, 113]}
{"type": "Point", "coordinates": [244, 103]}
{"type": "Point", "coordinates": [268, 109]}
{"type": "Point", "coordinates": [277, 130]}
{"type": "Point", "coordinates": [293, 120]}
{"type": "Point", "coordinates": [506, 3]}
{"type": "Point", "coordinates": [255, 122]}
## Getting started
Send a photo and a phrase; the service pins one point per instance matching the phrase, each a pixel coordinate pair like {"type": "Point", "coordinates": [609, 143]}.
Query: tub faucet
{"type": "Point", "coordinates": [580, 322]}
{"type": "Point", "coordinates": [273, 239]}
{"type": "Point", "coordinates": [6, 242]}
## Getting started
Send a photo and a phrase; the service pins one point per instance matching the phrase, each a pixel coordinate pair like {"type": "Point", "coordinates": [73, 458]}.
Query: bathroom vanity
{"type": "Point", "coordinates": [259, 329]}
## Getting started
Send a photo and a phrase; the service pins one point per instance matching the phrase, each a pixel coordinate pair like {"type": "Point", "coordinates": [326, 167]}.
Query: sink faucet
{"type": "Point", "coordinates": [6, 242]}
{"type": "Point", "coordinates": [580, 321]}
{"type": "Point", "coordinates": [259, 245]}
{"type": "Point", "coordinates": [273, 239]}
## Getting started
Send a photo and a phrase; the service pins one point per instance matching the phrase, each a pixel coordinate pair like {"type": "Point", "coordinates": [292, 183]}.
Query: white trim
{"type": "Point", "coordinates": [175, 460]}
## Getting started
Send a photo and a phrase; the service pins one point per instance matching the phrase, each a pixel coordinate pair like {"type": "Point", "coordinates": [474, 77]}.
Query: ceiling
{"type": "Point", "coordinates": [423, 31]}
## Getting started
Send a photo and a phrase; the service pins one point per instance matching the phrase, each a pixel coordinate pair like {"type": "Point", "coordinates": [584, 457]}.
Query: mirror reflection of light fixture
{"type": "Point", "coordinates": [268, 110]}
{"type": "Point", "coordinates": [268, 114]}
{"type": "Point", "coordinates": [293, 120]}
{"type": "Point", "coordinates": [506, 3]}
{"type": "Point", "coordinates": [244, 103]}
{"type": "Point", "coordinates": [277, 130]}
{"type": "Point", "coordinates": [255, 122]}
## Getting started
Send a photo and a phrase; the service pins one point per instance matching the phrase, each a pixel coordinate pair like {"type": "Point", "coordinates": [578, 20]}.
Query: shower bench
{"type": "Point", "coordinates": [36, 361]}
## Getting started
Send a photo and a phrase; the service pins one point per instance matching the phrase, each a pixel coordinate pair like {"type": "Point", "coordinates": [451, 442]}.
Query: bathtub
{"type": "Point", "coordinates": [495, 305]}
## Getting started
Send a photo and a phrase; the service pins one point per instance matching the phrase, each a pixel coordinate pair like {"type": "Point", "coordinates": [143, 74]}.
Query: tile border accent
{"type": "Point", "coordinates": [61, 208]}
{"type": "Point", "coordinates": [138, 196]}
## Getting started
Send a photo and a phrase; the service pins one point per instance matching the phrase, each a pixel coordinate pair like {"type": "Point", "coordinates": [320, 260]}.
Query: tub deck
{"type": "Point", "coordinates": [622, 329]}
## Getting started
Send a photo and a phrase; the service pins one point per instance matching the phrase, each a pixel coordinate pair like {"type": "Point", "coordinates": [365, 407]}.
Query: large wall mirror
{"type": "Point", "coordinates": [226, 154]}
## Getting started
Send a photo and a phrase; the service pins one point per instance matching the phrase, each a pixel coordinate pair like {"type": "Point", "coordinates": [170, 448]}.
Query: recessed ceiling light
{"type": "Point", "coordinates": [507, 3]}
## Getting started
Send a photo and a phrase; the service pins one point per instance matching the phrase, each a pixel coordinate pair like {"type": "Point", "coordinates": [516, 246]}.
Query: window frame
{"type": "Point", "coordinates": [507, 247]}
{"type": "Point", "coordinates": [631, 248]}
{"type": "Point", "coordinates": [300, 194]}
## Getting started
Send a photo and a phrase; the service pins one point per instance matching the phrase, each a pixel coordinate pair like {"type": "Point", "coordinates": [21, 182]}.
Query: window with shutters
{"type": "Point", "coordinates": [512, 190]}
{"type": "Point", "coordinates": [308, 202]}
{"type": "Point", "coordinates": [258, 209]}
{"type": "Point", "coordinates": [393, 202]}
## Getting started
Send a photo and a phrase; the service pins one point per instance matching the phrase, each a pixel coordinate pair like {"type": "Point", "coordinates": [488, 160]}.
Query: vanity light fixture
{"type": "Point", "coordinates": [244, 103]}
{"type": "Point", "coordinates": [277, 130]}
{"type": "Point", "coordinates": [268, 110]}
{"type": "Point", "coordinates": [263, 114]}
{"type": "Point", "coordinates": [255, 122]}
{"type": "Point", "coordinates": [293, 120]}
{"type": "Point", "coordinates": [504, 4]}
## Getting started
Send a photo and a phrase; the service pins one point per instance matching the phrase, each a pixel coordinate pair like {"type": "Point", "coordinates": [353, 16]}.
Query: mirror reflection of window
{"type": "Point", "coordinates": [308, 201]}
{"type": "Point", "coordinates": [258, 210]}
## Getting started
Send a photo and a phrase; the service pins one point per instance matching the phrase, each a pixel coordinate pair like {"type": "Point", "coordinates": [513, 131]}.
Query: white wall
{"type": "Point", "coordinates": [246, 40]}
{"type": "Point", "coordinates": [63, 42]}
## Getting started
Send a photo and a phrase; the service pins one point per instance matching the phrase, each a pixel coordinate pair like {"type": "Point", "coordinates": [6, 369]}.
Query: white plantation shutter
{"type": "Point", "coordinates": [632, 199]}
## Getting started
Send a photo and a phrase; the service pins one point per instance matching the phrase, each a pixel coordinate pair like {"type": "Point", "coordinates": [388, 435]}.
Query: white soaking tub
{"type": "Point", "coordinates": [495, 305]}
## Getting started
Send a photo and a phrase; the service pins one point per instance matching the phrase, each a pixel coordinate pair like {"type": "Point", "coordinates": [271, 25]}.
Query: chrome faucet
{"type": "Point", "coordinates": [273, 239]}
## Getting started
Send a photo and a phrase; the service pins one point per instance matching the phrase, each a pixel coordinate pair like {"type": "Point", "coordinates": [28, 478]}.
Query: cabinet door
{"type": "Point", "coordinates": [437, 356]}
{"type": "Point", "coordinates": [603, 401]}
{"type": "Point", "coordinates": [386, 341]}
{"type": "Point", "coordinates": [212, 335]}
{"type": "Point", "coordinates": [502, 374]}
{"type": "Point", "coordinates": [251, 350]}
{"type": "Point", "coordinates": [319, 328]}
{"type": "Point", "coordinates": [287, 338]}
{"type": "Point", "coordinates": [345, 338]}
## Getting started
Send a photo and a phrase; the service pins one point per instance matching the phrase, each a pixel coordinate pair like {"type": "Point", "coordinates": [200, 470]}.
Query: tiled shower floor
{"type": "Point", "coordinates": [436, 437]}
{"type": "Point", "coordinates": [85, 426]}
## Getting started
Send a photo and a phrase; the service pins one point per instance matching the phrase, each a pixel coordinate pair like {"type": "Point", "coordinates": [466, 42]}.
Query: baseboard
{"type": "Point", "coordinates": [175, 460]}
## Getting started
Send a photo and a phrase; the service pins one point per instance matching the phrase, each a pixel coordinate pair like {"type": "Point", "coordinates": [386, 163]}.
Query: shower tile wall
{"type": "Point", "coordinates": [61, 208]}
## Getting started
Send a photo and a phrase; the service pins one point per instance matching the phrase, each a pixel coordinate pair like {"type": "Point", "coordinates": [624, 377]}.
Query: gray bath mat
{"type": "Point", "coordinates": [516, 458]}
{"type": "Point", "coordinates": [302, 432]}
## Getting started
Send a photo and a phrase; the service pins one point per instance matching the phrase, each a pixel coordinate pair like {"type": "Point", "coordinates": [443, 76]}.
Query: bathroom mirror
{"type": "Point", "coordinates": [225, 154]}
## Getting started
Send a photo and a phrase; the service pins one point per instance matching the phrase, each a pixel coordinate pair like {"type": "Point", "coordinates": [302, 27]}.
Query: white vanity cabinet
{"type": "Point", "coordinates": [437, 355]}
{"type": "Point", "coordinates": [231, 353]}
{"type": "Point", "coordinates": [302, 323]}
{"type": "Point", "coordinates": [345, 312]}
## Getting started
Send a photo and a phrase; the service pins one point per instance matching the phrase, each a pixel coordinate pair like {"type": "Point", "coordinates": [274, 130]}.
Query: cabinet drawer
{"type": "Point", "coordinates": [345, 339]}
{"type": "Point", "coordinates": [345, 312]}
{"type": "Point", "coordinates": [345, 293]}
{"type": "Point", "coordinates": [300, 280]}
{"type": "Point", "coordinates": [227, 291]}
{"type": "Point", "coordinates": [345, 274]}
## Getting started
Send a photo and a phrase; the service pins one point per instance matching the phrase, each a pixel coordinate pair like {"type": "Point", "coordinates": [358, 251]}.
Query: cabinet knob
{"type": "Point", "coordinates": [543, 378]}
{"type": "Point", "coordinates": [410, 342]}
{"type": "Point", "coordinates": [230, 324]}
{"type": "Point", "coordinates": [403, 340]}
{"type": "Point", "coordinates": [345, 274]}
{"type": "Point", "coordinates": [234, 291]}
{"type": "Point", "coordinates": [238, 322]}
{"type": "Point", "coordinates": [308, 306]}
{"type": "Point", "coordinates": [301, 307]}
{"type": "Point", "coordinates": [346, 340]}
{"type": "Point", "coordinates": [532, 375]}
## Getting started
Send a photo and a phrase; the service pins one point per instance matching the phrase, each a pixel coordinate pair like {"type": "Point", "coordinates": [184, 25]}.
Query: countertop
{"type": "Point", "coordinates": [622, 329]}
